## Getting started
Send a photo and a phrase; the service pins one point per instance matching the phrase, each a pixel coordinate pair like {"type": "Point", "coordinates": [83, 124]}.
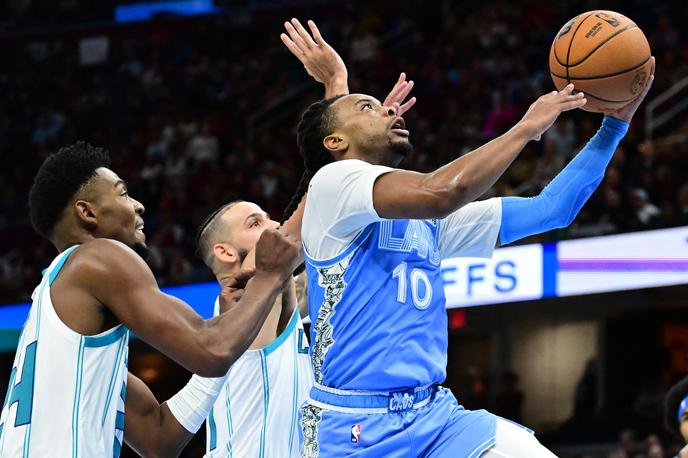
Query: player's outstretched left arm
{"type": "Point", "coordinates": [561, 200]}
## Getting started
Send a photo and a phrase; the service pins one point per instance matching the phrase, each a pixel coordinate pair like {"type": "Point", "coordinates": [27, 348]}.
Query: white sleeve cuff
{"type": "Point", "coordinates": [192, 404]}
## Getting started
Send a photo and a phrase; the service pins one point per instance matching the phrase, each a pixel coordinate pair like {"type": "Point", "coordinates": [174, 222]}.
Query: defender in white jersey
{"type": "Point", "coordinates": [69, 386]}
{"type": "Point", "coordinates": [256, 414]}
{"type": "Point", "coordinates": [78, 362]}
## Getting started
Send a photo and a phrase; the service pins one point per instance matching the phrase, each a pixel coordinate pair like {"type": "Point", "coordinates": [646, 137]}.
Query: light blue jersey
{"type": "Point", "coordinates": [379, 324]}
{"type": "Point", "coordinates": [375, 292]}
{"type": "Point", "coordinates": [378, 310]}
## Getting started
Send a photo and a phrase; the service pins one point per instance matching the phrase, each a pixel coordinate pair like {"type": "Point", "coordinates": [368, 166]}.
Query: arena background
{"type": "Point", "coordinates": [198, 108]}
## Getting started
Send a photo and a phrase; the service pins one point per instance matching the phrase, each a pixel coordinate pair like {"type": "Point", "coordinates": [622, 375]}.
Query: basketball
{"type": "Point", "coordinates": [605, 55]}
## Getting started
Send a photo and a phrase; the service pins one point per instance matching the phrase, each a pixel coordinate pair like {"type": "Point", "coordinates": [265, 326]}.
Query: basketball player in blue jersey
{"type": "Point", "coordinates": [374, 238]}
{"type": "Point", "coordinates": [69, 387]}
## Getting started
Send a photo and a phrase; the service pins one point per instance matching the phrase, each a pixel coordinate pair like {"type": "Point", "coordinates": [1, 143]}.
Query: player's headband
{"type": "Point", "coordinates": [682, 407]}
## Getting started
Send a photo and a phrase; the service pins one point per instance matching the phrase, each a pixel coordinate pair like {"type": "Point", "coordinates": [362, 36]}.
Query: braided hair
{"type": "Point", "coordinates": [315, 124]}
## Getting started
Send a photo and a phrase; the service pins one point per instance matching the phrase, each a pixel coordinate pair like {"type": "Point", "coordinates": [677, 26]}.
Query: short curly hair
{"type": "Point", "coordinates": [671, 403]}
{"type": "Point", "coordinates": [58, 179]}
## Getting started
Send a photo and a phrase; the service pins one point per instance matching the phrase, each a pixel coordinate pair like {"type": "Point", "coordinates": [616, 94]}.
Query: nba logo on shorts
{"type": "Point", "coordinates": [356, 434]}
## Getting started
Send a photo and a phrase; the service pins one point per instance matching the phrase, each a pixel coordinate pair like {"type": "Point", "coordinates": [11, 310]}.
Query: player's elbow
{"type": "Point", "coordinates": [217, 362]}
{"type": "Point", "coordinates": [212, 368]}
{"type": "Point", "coordinates": [446, 199]}
{"type": "Point", "coordinates": [215, 357]}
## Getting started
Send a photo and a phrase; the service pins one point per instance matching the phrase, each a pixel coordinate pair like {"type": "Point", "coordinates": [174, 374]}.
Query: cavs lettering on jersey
{"type": "Point", "coordinates": [66, 391]}
{"type": "Point", "coordinates": [256, 414]}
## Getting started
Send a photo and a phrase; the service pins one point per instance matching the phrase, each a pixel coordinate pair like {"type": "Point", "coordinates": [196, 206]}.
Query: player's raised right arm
{"type": "Point", "coordinates": [403, 194]}
{"type": "Point", "coordinates": [121, 281]}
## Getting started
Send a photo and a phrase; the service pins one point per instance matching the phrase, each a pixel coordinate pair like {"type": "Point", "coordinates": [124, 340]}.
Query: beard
{"type": "Point", "coordinates": [403, 149]}
{"type": "Point", "coordinates": [142, 250]}
{"type": "Point", "coordinates": [242, 255]}
{"type": "Point", "coordinates": [395, 153]}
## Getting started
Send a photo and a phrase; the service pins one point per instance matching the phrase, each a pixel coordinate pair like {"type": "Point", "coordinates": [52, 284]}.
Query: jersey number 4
{"type": "Point", "coordinates": [22, 391]}
{"type": "Point", "coordinates": [421, 288]}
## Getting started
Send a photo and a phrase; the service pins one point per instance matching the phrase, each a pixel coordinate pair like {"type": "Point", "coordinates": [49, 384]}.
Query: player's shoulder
{"type": "Point", "coordinates": [102, 255]}
{"type": "Point", "coordinates": [99, 247]}
{"type": "Point", "coordinates": [339, 169]}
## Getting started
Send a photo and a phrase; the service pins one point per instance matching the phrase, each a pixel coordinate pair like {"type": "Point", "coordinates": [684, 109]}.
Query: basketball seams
{"type": "Point", "coordinates": [556, 57]}
{"type": "Point", "coordinates": [587, 94]}
{"type": "Point", "coordinates": [599, 45]}
{"type": "Point", "coordinates": [583, 78]}
{"type": "Point", "coordinates": [573, 36]}
{"type": "Point", "coordinates": [554, 43]}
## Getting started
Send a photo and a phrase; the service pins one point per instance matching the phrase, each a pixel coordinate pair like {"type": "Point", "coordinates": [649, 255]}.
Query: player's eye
{"type": "Point", "coordinates": [367, 106]}
{"type": "Point", "coordinates": [255, 223]}
{"type": "Point", "coordinates": [125, 194]}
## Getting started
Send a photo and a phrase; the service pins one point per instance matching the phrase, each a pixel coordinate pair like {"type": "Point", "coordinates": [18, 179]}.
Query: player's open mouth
{"type": "Point", "coordinates": [399, 127]}
{"type": "Point", "coordinates": [139, 229]}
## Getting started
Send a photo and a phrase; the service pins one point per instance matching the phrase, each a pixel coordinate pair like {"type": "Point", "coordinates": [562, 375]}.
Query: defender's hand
{"type": "Point", "coordinates": [545, 110]}
{"type": "Point", "coordinates": [233, 288]}
{"type": "Point", "coordinates": [626, 113]}
{"type": "Point", "coordinates": [278, 253]}
{"type": "Point", "coordinates": [320, 60]}
{"type": "Point", "coordinates": [399, 92]}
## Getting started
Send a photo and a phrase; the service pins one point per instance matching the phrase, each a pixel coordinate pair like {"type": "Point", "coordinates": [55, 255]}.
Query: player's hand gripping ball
{"type": "Point", "coordinates": [605, 55]}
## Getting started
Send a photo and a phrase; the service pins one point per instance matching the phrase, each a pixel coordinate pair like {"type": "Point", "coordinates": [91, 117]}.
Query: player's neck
{"type": "Point", "coordinates": [372, 157]}
{"type": "Point", "coordinates": [66, 240]}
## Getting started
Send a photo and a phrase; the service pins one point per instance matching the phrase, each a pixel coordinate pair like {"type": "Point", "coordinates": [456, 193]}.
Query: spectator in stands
{"type": "Point", "coordinates": [676, 413]}
{"type": "Point", "coordinates": [645, 211]}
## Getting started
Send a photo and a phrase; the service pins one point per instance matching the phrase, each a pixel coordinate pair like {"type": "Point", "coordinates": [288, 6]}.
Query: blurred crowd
{"type": "Point", "coordinates": [199, 112]}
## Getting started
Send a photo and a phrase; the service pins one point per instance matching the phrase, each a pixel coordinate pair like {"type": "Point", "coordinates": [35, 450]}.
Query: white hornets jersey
{"type": "Point", "coordinates": [66, 392]}
{"type": "Point", "coordinates": [256, 414]}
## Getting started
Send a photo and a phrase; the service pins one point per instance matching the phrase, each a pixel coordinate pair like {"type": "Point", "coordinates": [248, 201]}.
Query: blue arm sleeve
{"type": "Point", "coordinates": [561, 200]}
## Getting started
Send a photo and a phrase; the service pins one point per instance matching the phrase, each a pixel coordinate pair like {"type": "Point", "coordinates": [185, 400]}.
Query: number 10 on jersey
{"type": "Point", "coordinates": [421, 288]}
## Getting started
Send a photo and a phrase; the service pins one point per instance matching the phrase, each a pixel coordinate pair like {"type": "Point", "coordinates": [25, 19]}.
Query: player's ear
{"type": "Point", "coordinates": [85, 213]}
{"type": "Point", "coordinates": [225, 253]}
{"type": "Point", "coordinates": [336, 144]}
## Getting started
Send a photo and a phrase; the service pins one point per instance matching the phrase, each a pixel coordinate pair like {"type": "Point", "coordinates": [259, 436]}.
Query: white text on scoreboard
{"type": "Point", "coordinates": [512, 274]}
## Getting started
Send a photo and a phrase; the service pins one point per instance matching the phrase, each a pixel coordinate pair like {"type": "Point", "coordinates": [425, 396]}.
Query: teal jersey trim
{"type": "Point", "coordinates": [116, 448]}
{"type": "Point", "coordinates": [115, 372]}
{"type": "Point", "coordinates": [230, 426]}
{"type": "Point", "coordinates": [212, 436]}
{"type": "Point", "coordinates": [266, 402]}
{"type": "Point", "coordinates": [104, 340]}
{"type": "Point", "coordinates": [295, 394]}
{"type": "Point", "coordinates": [119, 421]}
{"type": "Point", "coordinates": [274, 345]}
{"type": "Point", "coordinates": [56, 270]}
{"type": "Point", "coordinates": [77, 400]}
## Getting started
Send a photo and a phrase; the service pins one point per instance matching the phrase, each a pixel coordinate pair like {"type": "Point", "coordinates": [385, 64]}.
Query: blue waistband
{"type": "Point", "coordinates": [395, 401]}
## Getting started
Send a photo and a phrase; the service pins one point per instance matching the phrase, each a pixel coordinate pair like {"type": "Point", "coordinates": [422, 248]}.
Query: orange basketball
{"type": "Point", "coordinates": [605, 55]}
